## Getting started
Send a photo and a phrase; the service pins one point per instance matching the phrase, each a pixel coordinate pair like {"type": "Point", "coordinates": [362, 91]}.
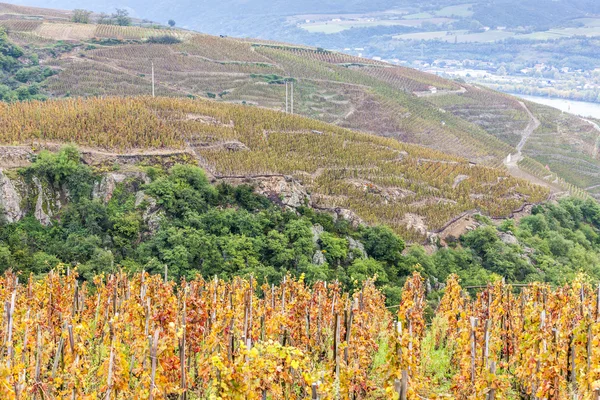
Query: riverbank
{"type": "Point", "coordinates": [580, 108]}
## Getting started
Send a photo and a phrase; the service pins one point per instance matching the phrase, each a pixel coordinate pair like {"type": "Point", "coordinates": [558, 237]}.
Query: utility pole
{"type": "Point", "coordinates": [152, 78]}
{"type": "Point", "coordinates": [286, 96]}
{"type": "Point", "coordinates": [292, 97]}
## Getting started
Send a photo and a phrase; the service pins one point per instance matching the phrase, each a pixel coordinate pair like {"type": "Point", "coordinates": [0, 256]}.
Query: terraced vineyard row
{"type": "Point", "coordinates": [410, 80]}
{"type": "Point", "coordinates": [333, 57]}
{"type": "Point", "coordinates": [69, 31]}
{"type": "Point", "coordinates": [20, 25]}
{"type": "Point", "coordinates": [89, 79]}
{"type": "Point", "coordinates": [567, 144]}
{"type": "Point", "coordinates": [221, 49]}
{"type": "Point", "coordinates": [500, 116]}
{"type": "Point", "coordinates": [380, 179]}
{"type": "Point", "coordinates": [540, 171]}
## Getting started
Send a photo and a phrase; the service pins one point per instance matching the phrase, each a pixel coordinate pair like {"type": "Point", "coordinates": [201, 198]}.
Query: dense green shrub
{"type": "Point", "coordinates": [226, 231]}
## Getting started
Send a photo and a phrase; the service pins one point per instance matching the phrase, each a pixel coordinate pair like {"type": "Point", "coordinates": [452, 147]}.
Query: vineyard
{"type": "Point", "coordinates": [70, 31]}
{"type": "Point", "coordinates": [350, 91]}
{"type": "Point", "coordinates": [568, 145]}
{"type": "Point", "coordinates": [151, 338]}
{"type": "Point", "coordinates": [475, 123]}
{"type": "Point", "coordinates": [500, 115]}
{"type": "Point", "coordinates": [413, 189]}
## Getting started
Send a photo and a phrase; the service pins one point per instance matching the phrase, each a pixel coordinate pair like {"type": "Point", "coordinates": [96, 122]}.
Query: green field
{"type": "Point", "coordinates": [461, 10]}
{"type": "Point", "coordinates": [461, 36]}
{"type": "Point", "coordinates": [421, 15]}
{"type": "Point", "coordinates": [339, 26]}
{"type": "Point", "coordinates": [588, 30]}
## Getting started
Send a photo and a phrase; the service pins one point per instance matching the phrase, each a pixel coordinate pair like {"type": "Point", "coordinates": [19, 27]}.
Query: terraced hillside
{"type": "Point", "coordinates": [367, 95]}
{"type": "Point", "coordinates": [364, 177]}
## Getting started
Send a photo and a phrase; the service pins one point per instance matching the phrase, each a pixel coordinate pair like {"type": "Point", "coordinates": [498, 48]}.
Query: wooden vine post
{"type": "Point", "coordinates": [153, 357]}
{"type": "Point", "coordinates": [473, 346]}
{"type": "Point", "coordinates": [491, 395]}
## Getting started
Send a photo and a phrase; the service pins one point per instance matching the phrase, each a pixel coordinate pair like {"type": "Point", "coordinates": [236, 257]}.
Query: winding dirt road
{"type": "Point", "coordinates": [511, 161]}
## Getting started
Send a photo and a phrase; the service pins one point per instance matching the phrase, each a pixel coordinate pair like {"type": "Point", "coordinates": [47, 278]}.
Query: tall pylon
{"type": "Point", "coordinates": [292, 97]}
{"type": "Point", "coordinates": [152, 78]}
{"type": "Point", "coordinates": [286, 96]}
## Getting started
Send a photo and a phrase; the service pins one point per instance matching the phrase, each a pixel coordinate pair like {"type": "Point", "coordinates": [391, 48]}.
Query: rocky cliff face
{"type": "Point", "coordinates": [35, 196]}
{"type": "Point", "coordinates": [280, 189]}
{"type": "Point", "coordinates": [19, 197]}
{"type": "Point", "coordinates": [10, 199]}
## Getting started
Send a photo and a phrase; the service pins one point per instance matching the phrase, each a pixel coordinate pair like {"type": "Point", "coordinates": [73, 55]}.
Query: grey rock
{"type": "Point", "coordinates": [152, 213]}
{"type": "Point", "coordinates": [350, 216]}
{"type": "Point", "coordinates": [356, 245]}
{"type": "Point", "coordinates": [318, 258]}
{"type": "Point", "coordinates": [317, 230]}
{"type": "Point", "coordinates": [44, 217]}
{"type": "Point", "coordinates": [104, 189]}
{"type": "Point", "coordinates": [10, 199]}
{"type": "Point", "coordinates": [508, 238]}
{"type": "Point", "coordinates": [235, 146]}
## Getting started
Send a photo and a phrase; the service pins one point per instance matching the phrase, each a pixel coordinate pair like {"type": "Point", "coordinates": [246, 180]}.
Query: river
{"type": "Point", "coordinates": [581, 108]}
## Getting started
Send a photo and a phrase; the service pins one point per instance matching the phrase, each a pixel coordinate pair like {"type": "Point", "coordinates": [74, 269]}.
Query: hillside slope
{"type": "Point", "coordinates": [362, 177]}
{"type": "Point", "coordinates": [367, 95]}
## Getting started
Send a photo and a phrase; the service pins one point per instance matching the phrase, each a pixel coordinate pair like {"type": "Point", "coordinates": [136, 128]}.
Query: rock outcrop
{"type": "Point", "coordinates": [10, 199]}
{"type": "Point", "coordinates": [317, 230]}
{"type": "Point", "coordinates": [281, 189]}
{"type": "Point", "coordinates": [508, 238]}
{"type": "Point", "coordinates": [152, 212]}
{"type": "Point", "coordinates": [356, 247]}
{"type": "Point", "coordinates": [318, 258]}
{"type": "Point", "coordinates": [104, 189]}
{"type": "Point", "coordinates": [43, 207]}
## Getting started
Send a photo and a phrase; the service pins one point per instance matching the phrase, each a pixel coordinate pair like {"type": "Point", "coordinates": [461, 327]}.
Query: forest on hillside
{"type": "Point", "coordinates": [20, 72]}
{"type": "Point", "coordinates": [198, 229]}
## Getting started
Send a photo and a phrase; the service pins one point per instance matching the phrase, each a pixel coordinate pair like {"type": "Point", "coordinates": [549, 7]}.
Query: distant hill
{"type": "Point", "coordinates": [467, 121]}
{"type": "Point", "coordinates": [225, 16]}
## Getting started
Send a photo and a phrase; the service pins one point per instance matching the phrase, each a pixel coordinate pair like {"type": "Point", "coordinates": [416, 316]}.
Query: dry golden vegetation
{"type": "Point", "coordinates": [144, 337]}
{"type": "Point", "coordinates": [368, 95]}
{"type": "Point", "coordinates": [350, 91]}
{"type": "Point", "coordinates": [413, 189]}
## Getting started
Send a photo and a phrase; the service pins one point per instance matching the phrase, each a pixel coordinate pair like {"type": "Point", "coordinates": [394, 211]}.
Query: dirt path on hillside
{"type": "Point", "coordinates": [595, 125]}
{"type": "Point", "coordinates": [440, 92]}
{"type": "Point", "coordinates": [511, 161]}
{"type": "Point", "coordinates": [596, 145]}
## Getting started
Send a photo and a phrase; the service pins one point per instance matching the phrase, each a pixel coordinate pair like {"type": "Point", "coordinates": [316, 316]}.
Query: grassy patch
{"type": "Point", "coordinates": [436, 360]}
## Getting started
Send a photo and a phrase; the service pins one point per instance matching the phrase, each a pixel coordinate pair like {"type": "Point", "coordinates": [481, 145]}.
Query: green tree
{"type": "Point", "coordinates": [121, 17]}
{"type": "Point", "coordinates": [362, 269]}
{"type": "Point", "coordinates": [81, 16]}
{"type": "Point", "coordinates": [383, 244]}
{"type": "Point", "coordinates": [104, 19]}
{"type": "Point", "coordinates": [334, 248]}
